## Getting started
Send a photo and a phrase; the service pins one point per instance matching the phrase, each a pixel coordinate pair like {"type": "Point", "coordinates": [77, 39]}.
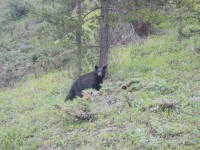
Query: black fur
{"type": "Point", "coordinates": [90, 80]}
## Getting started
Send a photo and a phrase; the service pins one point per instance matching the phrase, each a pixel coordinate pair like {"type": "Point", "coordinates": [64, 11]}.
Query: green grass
{"type": "Point", "coordinates": [34, 115]}
{"type": "Point", "coordinates": [28, 109]}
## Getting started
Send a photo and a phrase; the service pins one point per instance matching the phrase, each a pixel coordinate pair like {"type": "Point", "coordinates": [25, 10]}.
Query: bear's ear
{"type": "Point", "coordinates": [104, 67]}
{"type": "Point", "coordinates": [96, 67]}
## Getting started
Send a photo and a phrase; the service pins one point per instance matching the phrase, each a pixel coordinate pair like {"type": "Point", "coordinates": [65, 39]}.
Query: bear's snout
{"type": "Point", "coordinates": [99, 74]}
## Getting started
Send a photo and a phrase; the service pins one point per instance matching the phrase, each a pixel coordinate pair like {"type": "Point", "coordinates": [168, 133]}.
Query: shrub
{"type": "Point", "coordinates": [12, 140]}
{"type": "Point", "coordinates": [18, 9]}
{"type": "Point", "coordinates": [191, 30]}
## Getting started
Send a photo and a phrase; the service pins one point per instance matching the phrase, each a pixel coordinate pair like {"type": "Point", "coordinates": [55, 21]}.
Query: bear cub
{"type": "Point", "coordinates": [90, 80]}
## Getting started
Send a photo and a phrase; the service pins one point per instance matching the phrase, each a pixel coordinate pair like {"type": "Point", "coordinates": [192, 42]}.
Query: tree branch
{"type": "Point", "coordinates": [90, 12]}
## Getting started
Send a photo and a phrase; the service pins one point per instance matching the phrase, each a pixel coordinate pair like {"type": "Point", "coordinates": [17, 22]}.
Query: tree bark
{"type": "Point", "coordinates": [104, 33]}
{"type": "Point", "coordinates": [78, 38]}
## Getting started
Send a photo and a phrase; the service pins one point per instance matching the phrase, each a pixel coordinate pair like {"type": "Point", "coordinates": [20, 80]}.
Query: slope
{"type": "Point", "coordinates": [150, 101]}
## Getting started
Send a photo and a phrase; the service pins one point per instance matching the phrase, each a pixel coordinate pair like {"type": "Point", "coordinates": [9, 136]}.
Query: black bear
{"type": "Point", "coordinates": [90, 80]}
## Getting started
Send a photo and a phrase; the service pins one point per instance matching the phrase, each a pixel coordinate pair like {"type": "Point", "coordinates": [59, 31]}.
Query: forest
{"type": "Point", "coordinates": [150, 97]}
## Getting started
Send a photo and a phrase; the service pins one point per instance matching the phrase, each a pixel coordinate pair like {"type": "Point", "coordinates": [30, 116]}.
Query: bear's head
{"type": "Point", "coordinates": [100, 71]}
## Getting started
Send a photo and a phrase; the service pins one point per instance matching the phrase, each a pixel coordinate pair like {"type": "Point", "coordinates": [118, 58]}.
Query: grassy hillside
{"type": "Point", "coordinates": [159, 108]}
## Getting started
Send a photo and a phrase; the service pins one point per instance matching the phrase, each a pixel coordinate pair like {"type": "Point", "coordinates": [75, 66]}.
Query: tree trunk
{"type": "Point", "coordinates": [180, 25]}
{"type": "Point", "coordinates": [136, 3]}
{"type": "Point", "coordinates": [104, 33]}
{"type": "Point", "coordinates": [78, 38]}
{"type": "Point", "coordinates": [153, 5]}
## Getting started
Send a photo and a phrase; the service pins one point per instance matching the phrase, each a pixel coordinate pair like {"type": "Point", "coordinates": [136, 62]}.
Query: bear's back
{"type": "Point", "coordinates": [86, 81]}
